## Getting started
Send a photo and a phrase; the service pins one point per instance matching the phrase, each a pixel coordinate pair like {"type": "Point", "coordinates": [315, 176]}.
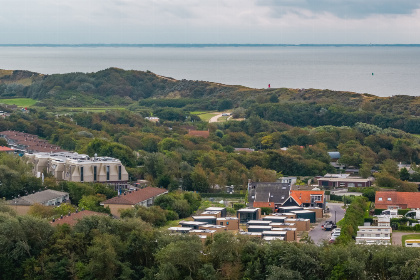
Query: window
{"type": "Point", "coordinates": [119, 172]}
{"type": "Point", "coordinates": [363, 235]}
{"type": "Point", "coordinates": [359, 184]}
{"type": "Point", "coordinates": [377, 235]}
{"type": "Point", "coordinates": [380, 199]}
{"type": "Point", "coordinates": [221, 223]}
{"type": "Point", "coordinates": [107, 172]}
{"type": "Point", "coordinates": [389, 199]}
{"type": "Point", "coordinates": [95, 173]}
{"type": "Point", "coordinates": [316, 197]}
{"type": "Point", "coordinates": [81, 174]}
{"type": "Point", "coordinates": [227, 223]}
{"type": "Point", "coordinates": [386, 234]}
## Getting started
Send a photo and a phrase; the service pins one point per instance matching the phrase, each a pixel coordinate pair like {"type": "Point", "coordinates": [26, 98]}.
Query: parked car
{"type": "Point", "coordinates": [334, 236]}
{"type": "Point", "coordinates": [336, 230]}
{"type": "Point", "coordinates": [328, 225]}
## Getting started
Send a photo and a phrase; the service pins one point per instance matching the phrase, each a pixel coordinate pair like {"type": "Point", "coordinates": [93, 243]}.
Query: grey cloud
{"type": "Point", "coordinates": [342, 8]}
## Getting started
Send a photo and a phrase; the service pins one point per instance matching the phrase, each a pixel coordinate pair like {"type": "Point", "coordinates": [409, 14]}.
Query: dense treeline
{"type": "Point", "coordinates": [105, 248]}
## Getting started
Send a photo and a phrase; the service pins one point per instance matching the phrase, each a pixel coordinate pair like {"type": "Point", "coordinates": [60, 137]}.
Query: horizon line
{"type": "Point", "coordinates": [205, 45]}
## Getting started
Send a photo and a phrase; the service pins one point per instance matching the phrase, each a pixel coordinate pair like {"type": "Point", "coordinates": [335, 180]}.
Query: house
{"type": "Point", "coordinates": [6, 150]}
{"type": "Point", "coordinates": [231, 223]}
{"type": "Point", "coordinates": [397, 200]}
{"type": "Point", "coordinates": [74, 167]}
{"type": "Point", "coordinates": [199, 133]}
{"type": "Point", "coordinates": [348, 182]}
{"type": "Point", "coordinates": [28, 142]}
{"type": "Point", "coordinates": [310, 198]}
{"type": "Point", "coordinates": [246, 214]}
{"type": "Point", "coordinates": [378, 235]}
{"type": "Point", "coordinates": [287, 180]}
{"type": "Point", "coordinates": [141, 197]}
{"type": "Point", "coordinates": [73, 218]}
{"type": "Point", "coordinates": [222, 210]}
{"type": "Point", "coordinates": [46, 198]}
{"type": "Point", "coordinates": [211, 220]}
{"type": "Point", "coordinates": [268, 194]}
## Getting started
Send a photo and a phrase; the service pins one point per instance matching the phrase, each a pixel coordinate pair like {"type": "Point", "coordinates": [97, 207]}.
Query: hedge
{"type": "Point", "coordinates": [223, 195]}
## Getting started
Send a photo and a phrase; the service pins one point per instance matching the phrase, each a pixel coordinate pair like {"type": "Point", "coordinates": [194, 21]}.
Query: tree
{"type": "Point", "coordinates": [92, 202]}
{"type": "Point", "coordinates": [182, 257]}
{"type": "Point", "coordinates": [199, 180]}
{"type": "Point", "coordinates": [404, 175]}
{"type": "Point", "coordinates": [390, 167]}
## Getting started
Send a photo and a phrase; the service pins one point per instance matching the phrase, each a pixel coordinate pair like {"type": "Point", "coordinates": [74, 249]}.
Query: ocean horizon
{"type": "Point", "coordinates": [378, 69]}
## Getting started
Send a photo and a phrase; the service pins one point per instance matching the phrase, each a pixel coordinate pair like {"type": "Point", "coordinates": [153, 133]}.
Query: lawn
{"type": "Point", "coordinates": [21, 102]}
{"type": "Point", "coordinates": [409, 236]}
{"type": "Point", "coordinates": [207, 116]}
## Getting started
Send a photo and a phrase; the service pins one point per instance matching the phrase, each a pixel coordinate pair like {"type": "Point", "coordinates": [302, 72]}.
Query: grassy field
{"type": "Point", "coordinates": [207, 116]}
{"type": "Point", "coordinates": [21, 102]}
{"type": "Point", "coordinates": [409, 236]}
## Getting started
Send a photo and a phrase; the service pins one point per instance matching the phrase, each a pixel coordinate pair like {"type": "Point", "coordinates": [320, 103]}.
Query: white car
{"type": "Point", "coordinates": [336, 230]}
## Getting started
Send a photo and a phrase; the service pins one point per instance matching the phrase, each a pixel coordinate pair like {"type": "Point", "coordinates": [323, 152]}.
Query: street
{"type": "Point", "coordinates": [336, 214]}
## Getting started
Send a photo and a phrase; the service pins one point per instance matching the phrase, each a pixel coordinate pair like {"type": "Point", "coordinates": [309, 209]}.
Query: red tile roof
{"type": "Point", "coordinates": [5, 149]}
{"type": "Point", "coordinates": [74, 218]}
{"type": "Point", "coordinates": [393, 198]}
{"type": "Point", "coordinates": [305, 196]}
{"type": "Point", "coordinates": [31, 142]}
{"type": "Point", "coordinates": [136, 196]}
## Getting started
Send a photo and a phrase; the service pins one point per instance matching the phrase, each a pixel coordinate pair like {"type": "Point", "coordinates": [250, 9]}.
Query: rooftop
{"type": "Point", "coordinates": [39, 197]}
{"type": "Point", "coordinates": [407, 199]}
{"type": "Point", "coordinates": [137, 196]}
{"type": "Point", "coordinates": [74, 218]}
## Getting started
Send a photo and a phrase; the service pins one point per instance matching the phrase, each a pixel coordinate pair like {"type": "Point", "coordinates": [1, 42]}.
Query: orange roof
{"type": "Point", "coordinates": [75, 217]}
{"type": "Point", "coordinates": [5, 149]}
{"type": "Point", "coordinates": [403, 199]}
{"type": "Point", "coordinates": [134, 197]}
{"type": "Point", "coordinates": [305, 196]}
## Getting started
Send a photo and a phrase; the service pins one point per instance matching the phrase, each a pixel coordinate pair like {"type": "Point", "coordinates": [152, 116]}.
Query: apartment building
{"type": "Point", "coordinates": [379, 235]}
{"type": "Point", "coordinates": [74, 167]}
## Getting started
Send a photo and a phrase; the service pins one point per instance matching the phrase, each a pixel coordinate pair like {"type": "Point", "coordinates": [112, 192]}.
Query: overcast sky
{"type": "Point", "coordinates": [210, 21]}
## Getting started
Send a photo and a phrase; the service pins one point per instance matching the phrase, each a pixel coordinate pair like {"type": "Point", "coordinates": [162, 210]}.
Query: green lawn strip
{"type": "Point", "coordinates": [409, 236]}
{"type": "Point", "coordinates": [207, 116]}
{"type": "Point", "coordinates": [21, 102]}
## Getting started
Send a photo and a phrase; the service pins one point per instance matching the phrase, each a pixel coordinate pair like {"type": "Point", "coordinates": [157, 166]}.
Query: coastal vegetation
{"type": "Point", "coordinates": [100, 247]}
{"type": "Point", "coordinates": [286, 131]}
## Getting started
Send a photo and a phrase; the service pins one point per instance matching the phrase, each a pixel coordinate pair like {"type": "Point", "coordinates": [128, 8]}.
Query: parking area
{"type": "Point", "coordinates": [317, 234]}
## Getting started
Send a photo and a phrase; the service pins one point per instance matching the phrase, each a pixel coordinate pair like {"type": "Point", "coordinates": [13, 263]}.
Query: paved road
{"type": "Point", "coordinates": [397, 236]}
{"type": "Point", "coordinates": [317, 234]}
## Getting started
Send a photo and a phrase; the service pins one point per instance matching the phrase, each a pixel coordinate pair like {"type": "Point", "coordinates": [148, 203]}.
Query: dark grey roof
{"type": "Point", "coordinates": [39, 197]}
{"type": "Point", "coordinates": [268, 192]}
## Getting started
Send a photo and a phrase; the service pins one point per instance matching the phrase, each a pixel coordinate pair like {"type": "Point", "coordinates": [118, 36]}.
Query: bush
{"type": "Point", "coordinates": [266, 210]}
{"type": "Point", "coordinates": [238, 206]}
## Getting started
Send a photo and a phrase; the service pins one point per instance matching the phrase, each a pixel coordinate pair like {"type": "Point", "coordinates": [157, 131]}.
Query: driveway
{"type": "Point", "coordinates": [336, 214]}
{"type": "Point", "coordinates": [215, 118]}
{"type": "Point", "coordinates": [397, 236]}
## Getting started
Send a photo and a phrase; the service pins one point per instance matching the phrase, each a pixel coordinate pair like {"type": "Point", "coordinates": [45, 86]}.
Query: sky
{"type": "Point", "coordinates": [210, 22]}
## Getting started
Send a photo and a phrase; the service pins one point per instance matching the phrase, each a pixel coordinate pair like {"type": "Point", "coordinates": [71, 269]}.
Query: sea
{"type": "Point", "coordinates": [382, 70]}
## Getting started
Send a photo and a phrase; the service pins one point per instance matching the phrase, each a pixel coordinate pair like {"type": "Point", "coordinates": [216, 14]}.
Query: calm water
{"type": "Point", "coordinates": [396, 69]}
